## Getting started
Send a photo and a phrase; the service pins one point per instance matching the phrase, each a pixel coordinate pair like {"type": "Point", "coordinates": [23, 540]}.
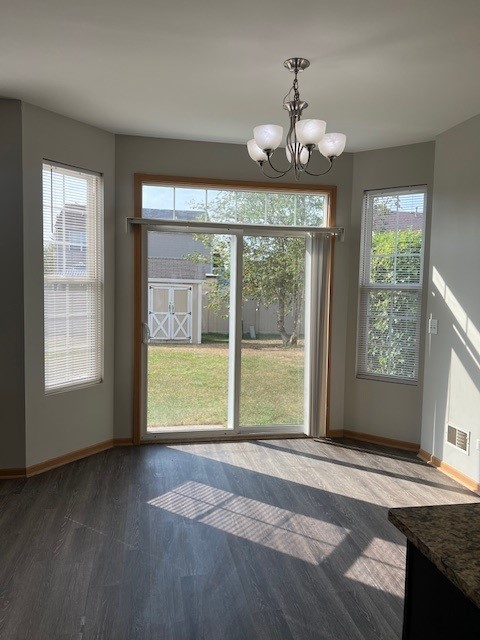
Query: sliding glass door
{"type": "Point", "coordinates": [225, 333]}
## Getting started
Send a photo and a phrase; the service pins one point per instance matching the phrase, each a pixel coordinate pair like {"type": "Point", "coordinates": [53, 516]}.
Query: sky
{"type": "Point", "coordinates": [158, 197]}
{"type": "Point", "coordinates": [155, 197]}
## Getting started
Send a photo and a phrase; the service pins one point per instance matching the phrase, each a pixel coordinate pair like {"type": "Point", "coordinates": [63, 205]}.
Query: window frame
{"type": "Point", "coordinates": [95, 257]}
{"type": "Point", "coordinates": [365, 286]}
{"type": "Point", "coordinates": [321, 409]}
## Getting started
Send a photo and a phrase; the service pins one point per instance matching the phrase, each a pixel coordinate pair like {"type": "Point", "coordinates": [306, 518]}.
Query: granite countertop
{"type": "Point", "coordinates": [449, 536]}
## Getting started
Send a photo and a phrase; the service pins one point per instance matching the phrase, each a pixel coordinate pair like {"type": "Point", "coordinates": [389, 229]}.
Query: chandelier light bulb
{"type": "Point", "coordinates": [332, 144]}
{"type": "Point", "coordinates": [310, 131]}
{"type": "Point", "coordinates": [254, 151]}
{"type": "Point", "coordinates": [304, 155]}
{"type": "Point", "coordinates": [268, 136]}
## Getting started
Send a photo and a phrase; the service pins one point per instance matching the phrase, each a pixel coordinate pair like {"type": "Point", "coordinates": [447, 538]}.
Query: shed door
{"type": "Point", "coordinates": [181, 310]}
{"type": "Point", "coordinates": [158, 312]}
{"type": "Point", "coordinates": [170, 312]}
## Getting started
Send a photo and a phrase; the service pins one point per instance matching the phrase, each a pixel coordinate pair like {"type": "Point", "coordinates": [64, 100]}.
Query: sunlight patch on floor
{"type": "Point", "coordinates": [319, 474]}
{"type": "Point", "coordinates": [324, 470]}
{"type": "Point", "coordinates": [273, 527]}
{"type": "Point", "coordinates": [369, 568]}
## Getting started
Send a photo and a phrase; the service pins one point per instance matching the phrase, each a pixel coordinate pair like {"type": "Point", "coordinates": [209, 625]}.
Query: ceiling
{"type": "Point", "coordinates": [385, 72]}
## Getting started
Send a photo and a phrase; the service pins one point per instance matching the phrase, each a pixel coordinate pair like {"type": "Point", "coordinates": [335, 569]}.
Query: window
{"type": "Point", "coordinates": [73, 277]}
{"type": "Point", "coordinates": [230, 205]}
{"type": "Point", "coordinates": [391, 272]}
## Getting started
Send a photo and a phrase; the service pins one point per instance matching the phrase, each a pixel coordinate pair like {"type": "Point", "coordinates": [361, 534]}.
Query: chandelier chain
{"type": "Point", "coordinates": [296, 92]}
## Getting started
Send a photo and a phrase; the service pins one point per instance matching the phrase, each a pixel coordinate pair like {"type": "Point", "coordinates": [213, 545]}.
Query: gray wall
{"type": "Point", "coordinates": [208, 160]}
{"type": "Point", "coordinates": [70, 420]}
{"type": "Point", "coordinates": [12, 397]}
{"type": "Point", "coordinates": [385, 409]}
{"type": "Point", "coordinates": [452, 357]}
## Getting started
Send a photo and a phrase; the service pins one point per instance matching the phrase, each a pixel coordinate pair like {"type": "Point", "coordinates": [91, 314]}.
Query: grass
{"type": "Point", "coordinates": [208, 338]}
{"type": "Point", "coordinates": [187, 384]}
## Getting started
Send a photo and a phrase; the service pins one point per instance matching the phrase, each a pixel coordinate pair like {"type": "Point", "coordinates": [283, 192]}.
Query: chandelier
{"type": "Point", "coordinates": [303, 136]}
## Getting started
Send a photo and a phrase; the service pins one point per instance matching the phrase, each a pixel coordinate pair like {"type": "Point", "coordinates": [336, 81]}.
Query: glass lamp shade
{"type": "Point", "coordinates": [332, 144]}
{"type": "Point", "coordinates": [268, 136]}
{"type": "Point", "coordinates": [254, 151]}
{"type": "Point", "coordinates": [304, 155]}
{"type": "Point", "coordinates": [310, 131]}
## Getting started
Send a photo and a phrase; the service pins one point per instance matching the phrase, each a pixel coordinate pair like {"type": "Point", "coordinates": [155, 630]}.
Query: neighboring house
{"type": "Point", "coordinates": [401, 220]}
{"type": "Point", "coordinates": [178, 288]}
{"type": "Point", "coordinates": [175, 281]}
{"type": "Point", "coordinates": [70, 246]}
{"type": "Point", "coordinates": [65, 259]}
{"type": "Point", "coordinates": [169, 255]}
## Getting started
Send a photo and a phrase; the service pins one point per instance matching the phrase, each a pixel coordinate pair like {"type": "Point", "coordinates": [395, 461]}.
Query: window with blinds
{"type": "Point", "coordinates": [391, 273]}
{"type": "Point", "coordinates": [73, 277]}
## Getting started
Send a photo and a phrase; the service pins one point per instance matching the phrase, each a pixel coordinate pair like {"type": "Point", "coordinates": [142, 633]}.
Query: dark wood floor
{"type": "Point", "coordinates": [268, 539]}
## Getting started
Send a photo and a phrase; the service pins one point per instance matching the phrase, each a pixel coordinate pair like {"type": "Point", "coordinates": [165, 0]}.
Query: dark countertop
{"type": "Point", "coordinates": [449, 536]}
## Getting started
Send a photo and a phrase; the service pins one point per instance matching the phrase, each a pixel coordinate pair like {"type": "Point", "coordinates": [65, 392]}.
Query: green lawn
{"type": "Point", "coordinates": [187, 384]}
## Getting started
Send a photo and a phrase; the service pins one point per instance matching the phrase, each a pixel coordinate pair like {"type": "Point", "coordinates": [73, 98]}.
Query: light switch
{"type": "Point", "coordinates": [432, 326]}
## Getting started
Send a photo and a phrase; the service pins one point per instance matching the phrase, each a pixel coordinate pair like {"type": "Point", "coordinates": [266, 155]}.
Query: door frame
{"type": "Point", "coordinates": [317, 395]}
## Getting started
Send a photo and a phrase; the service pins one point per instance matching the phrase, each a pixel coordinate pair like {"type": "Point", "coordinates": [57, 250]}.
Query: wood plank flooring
{"type": "Point", "coordinates": [274, 539]}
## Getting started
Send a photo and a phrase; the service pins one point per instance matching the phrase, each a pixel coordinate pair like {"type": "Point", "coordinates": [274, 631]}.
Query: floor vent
{"type": "Point", "coordinates": [458, 438]}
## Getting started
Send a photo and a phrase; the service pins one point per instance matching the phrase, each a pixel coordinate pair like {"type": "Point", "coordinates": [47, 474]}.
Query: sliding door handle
{"type": "Point", "coordinates": [145, 333]}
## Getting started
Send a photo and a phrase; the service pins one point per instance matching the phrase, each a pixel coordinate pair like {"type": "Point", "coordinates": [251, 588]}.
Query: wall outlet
{"type": "Point", "coordinates": [432, 326]}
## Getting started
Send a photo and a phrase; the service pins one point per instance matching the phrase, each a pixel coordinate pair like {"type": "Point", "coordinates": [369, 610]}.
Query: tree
{"type": "Point", "coordinates": [395, 259]}
{"type": "Point", "coordinates": [49, 255]}
{"type": "Point", "coordinates": [273, 267]}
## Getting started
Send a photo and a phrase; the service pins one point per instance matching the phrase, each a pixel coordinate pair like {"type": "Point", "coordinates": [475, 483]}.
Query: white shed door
{"type": "Point", "coordinates": [170, 312]}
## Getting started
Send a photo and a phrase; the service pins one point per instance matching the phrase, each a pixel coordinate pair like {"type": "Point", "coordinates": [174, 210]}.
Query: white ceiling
{"type": "Point", "coordinates": [385, 72]}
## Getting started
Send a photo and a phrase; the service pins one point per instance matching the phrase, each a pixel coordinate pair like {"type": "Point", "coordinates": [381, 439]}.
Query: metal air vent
{"type": "Point", "coordinates": [458, 438]}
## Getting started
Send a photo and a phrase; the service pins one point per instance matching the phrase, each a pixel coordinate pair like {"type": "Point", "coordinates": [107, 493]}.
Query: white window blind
{"type": "Point", "coordinates": [391, 273]}
{"type": "Point", "coordinates": [73, 277]}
